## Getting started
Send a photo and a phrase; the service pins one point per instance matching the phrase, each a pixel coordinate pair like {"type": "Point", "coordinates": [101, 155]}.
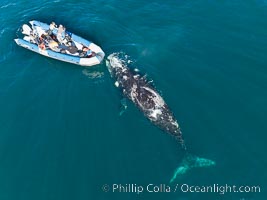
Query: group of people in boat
{"type": "Point", "coordinates": [60, 42]}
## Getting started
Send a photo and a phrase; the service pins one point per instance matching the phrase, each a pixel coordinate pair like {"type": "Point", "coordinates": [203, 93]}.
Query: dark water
{"type": "Point", "coordinates": [61, 136]}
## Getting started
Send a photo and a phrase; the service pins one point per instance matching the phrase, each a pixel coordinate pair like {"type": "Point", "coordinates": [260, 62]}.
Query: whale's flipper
{"type": "Point", "coordinates": [189, 162]}
{"type": "Point", "coordinates": [123, 106]}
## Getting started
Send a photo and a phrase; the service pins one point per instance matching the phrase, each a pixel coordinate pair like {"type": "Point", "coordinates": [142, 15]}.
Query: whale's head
{"type": "Point", "coordinates": [114, 64]}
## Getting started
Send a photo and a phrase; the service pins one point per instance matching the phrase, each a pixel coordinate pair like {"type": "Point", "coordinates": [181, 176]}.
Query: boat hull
{"type": "Point", "coordinates": [61, 56]}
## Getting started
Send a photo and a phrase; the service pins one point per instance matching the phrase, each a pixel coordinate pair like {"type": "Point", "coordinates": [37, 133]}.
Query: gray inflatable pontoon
{"type": "Point", "coordinates": [31, 41]}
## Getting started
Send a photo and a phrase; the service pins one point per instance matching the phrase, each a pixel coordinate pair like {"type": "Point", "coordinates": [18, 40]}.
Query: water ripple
{"type": "Point", "coordinates": [8, 5]}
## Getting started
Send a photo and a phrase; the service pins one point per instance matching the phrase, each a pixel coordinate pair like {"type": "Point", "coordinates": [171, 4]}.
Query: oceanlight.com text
{"type": "Point", "coordinates": [180, 188]}
{"type": "Point", "coordinates": [216, 188]}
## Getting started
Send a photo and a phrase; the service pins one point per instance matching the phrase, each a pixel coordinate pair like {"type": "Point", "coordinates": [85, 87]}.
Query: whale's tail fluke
{"type": "Point", "coordinates": [189, 162]}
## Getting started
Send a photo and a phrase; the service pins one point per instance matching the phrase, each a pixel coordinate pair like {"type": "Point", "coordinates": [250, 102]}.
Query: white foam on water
{"type": "Point", "coordinates": [8, 5]}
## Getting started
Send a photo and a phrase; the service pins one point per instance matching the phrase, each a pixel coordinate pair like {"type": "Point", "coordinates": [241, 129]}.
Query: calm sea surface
{"type": "Point", "coordinates": [61, 136]}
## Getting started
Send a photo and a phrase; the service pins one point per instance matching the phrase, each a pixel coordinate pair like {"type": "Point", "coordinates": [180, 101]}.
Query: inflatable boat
{"type": "Point", "coordinates": [55, 42]}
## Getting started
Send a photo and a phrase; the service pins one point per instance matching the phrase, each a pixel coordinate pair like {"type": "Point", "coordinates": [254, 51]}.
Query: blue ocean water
{"type": "Point", "coordinates": [61, 136]}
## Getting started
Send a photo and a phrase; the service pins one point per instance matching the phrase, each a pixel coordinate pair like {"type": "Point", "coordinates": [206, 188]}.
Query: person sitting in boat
{"type": "Point", "coordinates": [43, 41]}
{"type": "Point", "coordinates": [86, 52]}
{"type": "Point", "coordinates": [45, 38]}
{"type": "Point", "coordinates": [52, 26]}
{"type": "Point", "coordinates": [42, 46]}
{"type": "Point", "coordinates": [40, 39]}
{"type": "Point", "coordinates": [61, 33]}
{"type": "Point", "coordinates": [53, 45]}
{"type": "Point", "coordinates": [33, 37]}
{"type": "Point", "coordinates": [68, 41]}
{"type": "Point", "coordinates": [92, 54]}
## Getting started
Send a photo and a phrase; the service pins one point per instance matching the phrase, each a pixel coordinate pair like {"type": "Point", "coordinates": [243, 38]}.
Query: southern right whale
{"type": "Point", "coordinates": [142, 93]}
{"type": "Point", "coordinates": [139, 90]}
